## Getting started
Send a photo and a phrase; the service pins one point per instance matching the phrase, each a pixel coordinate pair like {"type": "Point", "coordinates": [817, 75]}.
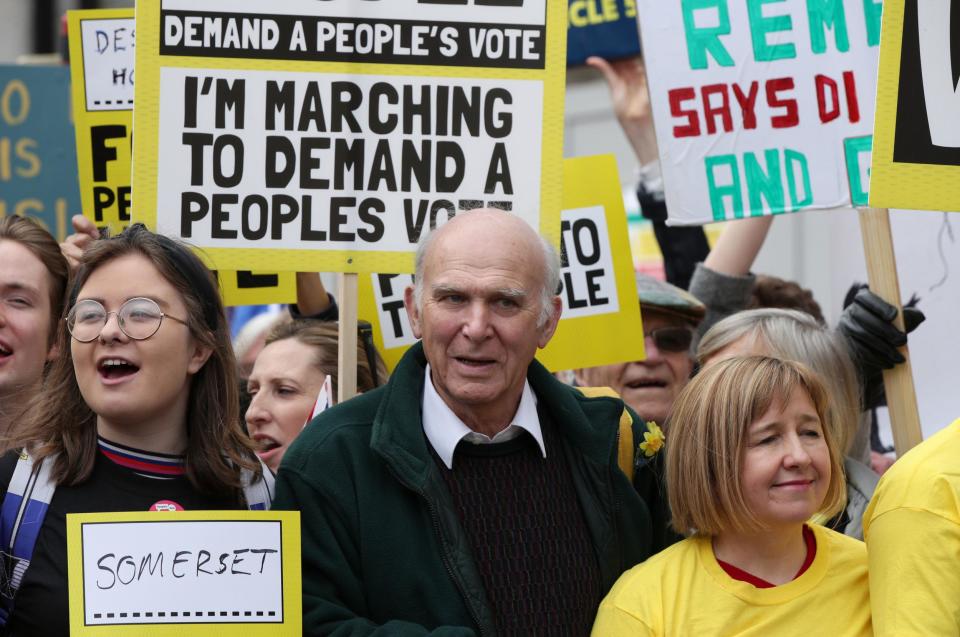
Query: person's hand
{"type": "Point", "coordinates": [84, 234]}
{"type": "Point", "coordinates": [627, 81]}
{"type": "Point", "coordinates": [867, 324]}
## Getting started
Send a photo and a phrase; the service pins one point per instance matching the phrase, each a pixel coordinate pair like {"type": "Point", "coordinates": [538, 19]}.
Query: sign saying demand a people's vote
{"type": "Point", "coordinates": [298, 134]}
{"type": "Point", "coordinates": [761, 106]}
{"type": "Point", "coordinates": [598, 291]}
{"type": "Point", "coordinates": [185, 573]}
{"type": "Point", "coordinates": [916, 161]}
{"type": "Point", "coordinates": [38, 163]}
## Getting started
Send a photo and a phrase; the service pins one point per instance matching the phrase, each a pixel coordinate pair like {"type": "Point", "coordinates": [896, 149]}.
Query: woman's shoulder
{"type": "Point", "coordinates": [651, 573]}
{"type": "Point", "coordinates": [8, 463]}
{"type": "Point", "coordinates": [847, 555]}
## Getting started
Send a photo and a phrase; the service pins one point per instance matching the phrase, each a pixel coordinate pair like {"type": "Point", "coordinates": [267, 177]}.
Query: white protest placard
{"type": "Point", "coordinates": [151, 571]}
{"type": "Point", "coordinates": [586, 264]}
{"type": "Point", "coordinates": [761, 106]}
{"type": "Point", "coordinates": [108, 71]}
{"type": "Point", "coordinates": [304, 135]}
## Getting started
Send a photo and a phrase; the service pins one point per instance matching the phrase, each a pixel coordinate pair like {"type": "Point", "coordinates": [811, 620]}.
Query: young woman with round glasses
{"type": "Point", "coordinates": [139, 412]}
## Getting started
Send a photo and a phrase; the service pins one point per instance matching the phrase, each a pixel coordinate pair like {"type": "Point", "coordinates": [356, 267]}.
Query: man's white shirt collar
{"type": "Point", "coordinates": [444, 430]}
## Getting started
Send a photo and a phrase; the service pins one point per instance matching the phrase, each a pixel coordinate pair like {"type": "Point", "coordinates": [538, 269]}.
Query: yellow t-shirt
{"type": "Point", "coordinates": [683, 591]}
{"type": "Point", "coordinates": [912, 529]}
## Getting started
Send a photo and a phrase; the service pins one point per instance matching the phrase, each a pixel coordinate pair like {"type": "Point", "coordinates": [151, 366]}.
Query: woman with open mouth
{"type": "Point", "coordinates": [750, 460]}
{"type": "Point", "coordinates": [295, 377]}
{"type": "Point", "coordinates": [138, 412]}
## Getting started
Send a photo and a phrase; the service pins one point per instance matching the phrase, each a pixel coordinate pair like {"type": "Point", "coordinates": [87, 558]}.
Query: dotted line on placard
{"type": "Point", "coordinates": [186, 613]}
{"type": "Point", "coordinates": [110, 102]}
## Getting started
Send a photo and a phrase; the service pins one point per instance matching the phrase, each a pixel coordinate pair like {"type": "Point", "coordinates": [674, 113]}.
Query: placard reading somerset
{"type": "Point", "coordinates": [761, 106]}
{"type": "Point", "coordinates": [305, 135]}
{"type": "Point", "coordinates": [596, 273]}
{"type": "Point", "coordinates": [917, 159]}
{"type": "Point", "coordinates": [180, 573]}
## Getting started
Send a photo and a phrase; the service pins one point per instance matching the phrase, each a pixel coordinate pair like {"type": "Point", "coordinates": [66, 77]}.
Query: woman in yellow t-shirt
{"type": "Point", "coordinates": [750, 460]}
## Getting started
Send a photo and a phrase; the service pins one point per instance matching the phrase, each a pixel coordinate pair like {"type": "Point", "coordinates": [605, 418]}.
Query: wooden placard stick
{"type": "Point", "coordinates": [347, 338]}
{"type": "Point", "coordinates": [882, 275]}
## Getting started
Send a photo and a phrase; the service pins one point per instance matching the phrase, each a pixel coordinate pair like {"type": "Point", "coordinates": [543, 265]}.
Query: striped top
{"type": "Point", "coordinates": [145, 463]}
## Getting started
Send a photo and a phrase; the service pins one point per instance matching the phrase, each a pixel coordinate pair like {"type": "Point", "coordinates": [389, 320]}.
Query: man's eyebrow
{"type": "Point", "coordinates": [440, 288]}
{"type": "Point", "coordinates": [512, 293]}
{"type": "Point", "coordinates": [20, 286]}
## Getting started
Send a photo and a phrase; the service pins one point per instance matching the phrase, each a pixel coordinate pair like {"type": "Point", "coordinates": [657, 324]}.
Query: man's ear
{"type": "Point", "coordinates": [413, 312]}
{"type": "Point", "coordinates": [548, 329]}
{"type": "Point", "coordinates": [198, 358]}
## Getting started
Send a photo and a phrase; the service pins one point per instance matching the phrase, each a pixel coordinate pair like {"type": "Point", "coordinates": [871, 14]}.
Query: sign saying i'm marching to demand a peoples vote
{"type": "Point", "coordinates": [185, 573]}
{"type": "Point", "coordinates": [761, 106]}
{"type": "Point", "coordinates": [596, 278]}
{"type": "Point", "coordinates": [916, 163]}
{"type": "Point", "coordinates": [298, 134]}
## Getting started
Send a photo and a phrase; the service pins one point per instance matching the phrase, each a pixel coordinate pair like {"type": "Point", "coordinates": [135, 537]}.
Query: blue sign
{"type": "Point", "coordinates": [38, 157]}
{"type": "Point", "coordinates": [606, 28]}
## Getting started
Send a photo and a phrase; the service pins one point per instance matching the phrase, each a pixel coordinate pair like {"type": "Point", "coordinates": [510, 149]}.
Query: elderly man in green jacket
{"type": "Point", "coordinates": [474, 494]}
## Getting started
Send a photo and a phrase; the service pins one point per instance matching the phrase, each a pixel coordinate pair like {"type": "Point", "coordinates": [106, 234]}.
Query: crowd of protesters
{"type": "Point", "coordinates": [721, 486]}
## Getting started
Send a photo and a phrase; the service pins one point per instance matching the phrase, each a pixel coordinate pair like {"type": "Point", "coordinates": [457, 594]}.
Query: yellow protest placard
{"type": "Point", "coordinates": [600, 323]}
{"type": "Point", "coordinates": [242, 287]}
{"type": "Point", "coordinates": [102, 46]}
{"type": "Point", "coordinates": [916, 138]}
{"type": "Point", "coordinates": [600, 306]}
{"type": "Point", "coordinates": [185, 573]}
{"type": "Point", "coordinates": [326, 136]}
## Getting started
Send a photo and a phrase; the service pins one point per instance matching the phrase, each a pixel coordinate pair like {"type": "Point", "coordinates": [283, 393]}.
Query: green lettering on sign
{"type": "Point", "coordinates": [794, 161]}
{"type": "Point", "coordinates": [823, 15]}
{"type": "Point", "coordinates": [701, 40]}
{"type": "Point", "coordinates": [859, 180]}
{"type": "Point", "coordinates": [719, 192]}
{"type": "Point", "coordinates": [760, 26]}
{"type": "Point", "coordinates": [872, 9]}
{"type": "Point", "coordinates": [764, 185]}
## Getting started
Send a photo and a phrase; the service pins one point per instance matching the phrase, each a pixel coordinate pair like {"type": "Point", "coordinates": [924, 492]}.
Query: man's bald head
{"type": "Point", "coordinates": [492, 226]}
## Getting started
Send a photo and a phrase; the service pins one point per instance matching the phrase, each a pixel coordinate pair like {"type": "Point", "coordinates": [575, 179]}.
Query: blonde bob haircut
{"type": "Point", "coordinates": [707, 437]}
{"type": "Point", "coordinates": [797, 336]}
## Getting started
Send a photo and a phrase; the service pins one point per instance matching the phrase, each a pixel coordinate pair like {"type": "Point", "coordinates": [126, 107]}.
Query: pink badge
{"type": "Point", "coordinates": [165, 505]}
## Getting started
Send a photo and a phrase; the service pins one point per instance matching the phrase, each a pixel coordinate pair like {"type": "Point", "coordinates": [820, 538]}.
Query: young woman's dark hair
{"type": "Point", "coordinates": [59, 422]}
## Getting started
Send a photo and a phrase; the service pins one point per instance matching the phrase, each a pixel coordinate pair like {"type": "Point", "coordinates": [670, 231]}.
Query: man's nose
{"type": "Point", "coordinates": [650, 348]}
{"type": "Point", "coordinates": [476, 321]}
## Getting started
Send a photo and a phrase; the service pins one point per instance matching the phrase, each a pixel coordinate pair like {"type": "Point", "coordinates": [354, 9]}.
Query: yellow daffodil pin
{"type": "Point", "coordinates": [653, 440]}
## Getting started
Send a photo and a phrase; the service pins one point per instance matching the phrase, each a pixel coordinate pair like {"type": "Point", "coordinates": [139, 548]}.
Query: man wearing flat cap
{"type": "Point", "coordinates": [670, 318]}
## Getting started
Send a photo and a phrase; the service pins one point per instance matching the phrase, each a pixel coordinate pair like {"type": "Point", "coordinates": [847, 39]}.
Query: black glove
{"type": "Point", "coordinates": [867, 324]}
